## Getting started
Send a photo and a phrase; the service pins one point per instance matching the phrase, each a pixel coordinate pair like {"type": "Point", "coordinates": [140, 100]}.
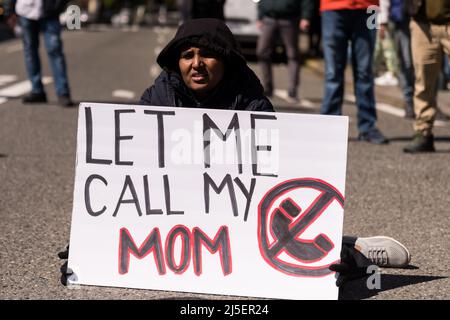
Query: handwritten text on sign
{"type": "Point", "coordinates": [212, 201]}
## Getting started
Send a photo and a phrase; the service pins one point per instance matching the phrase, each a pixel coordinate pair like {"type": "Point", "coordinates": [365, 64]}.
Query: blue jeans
{"type": "Point", "coordinates": [52, 38]}
{"type": "Point", "coordinates": [338, 29]}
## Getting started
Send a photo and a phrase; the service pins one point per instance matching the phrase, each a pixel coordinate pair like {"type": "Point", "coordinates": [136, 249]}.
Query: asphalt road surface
{"type": "Point", "coordinates": [387, 192]}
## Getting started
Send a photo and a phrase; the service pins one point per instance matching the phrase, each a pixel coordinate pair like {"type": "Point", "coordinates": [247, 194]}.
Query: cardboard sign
{"type": "Point", "coordinates": [208, 201]}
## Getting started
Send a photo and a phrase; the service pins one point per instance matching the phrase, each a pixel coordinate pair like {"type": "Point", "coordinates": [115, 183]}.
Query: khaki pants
{"type": "Point", "coordinates": [428, 42]}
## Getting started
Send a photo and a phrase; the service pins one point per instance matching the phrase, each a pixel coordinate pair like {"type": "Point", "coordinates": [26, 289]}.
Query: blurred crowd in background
{"type": "Point", "coordinates": [336, 31]}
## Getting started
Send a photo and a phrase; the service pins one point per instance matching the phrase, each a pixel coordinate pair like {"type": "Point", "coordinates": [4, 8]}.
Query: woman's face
{"type": "Point", "coordinates": [201, 69]}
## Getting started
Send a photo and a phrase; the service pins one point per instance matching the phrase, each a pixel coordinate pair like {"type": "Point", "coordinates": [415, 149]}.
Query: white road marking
{"type": "Point", "coordinates": [387, 108]}
{"type": "Point", "coordinates": [163, 30]}
{"type": "Point", "coordinates": [350, 98]}
{"type": "Point", "coordinates": [20, 88]}
{"type": "Point", "coordinates": [384, 107]}
{"type": "Point", "coordinates": [154, 71]}
{"type": "Point", "coordinates": [126, 94]}
{"type": "Point", "coordinates": [7, 78]}
{"type": "Point", "coordinates": [440, 123]}
{"type": "Point", "coordinates": [281, 93]}
{"type": "Point", "coordinates": [157, 50]}
{"type": "Point", "coordinates": [305, 103]}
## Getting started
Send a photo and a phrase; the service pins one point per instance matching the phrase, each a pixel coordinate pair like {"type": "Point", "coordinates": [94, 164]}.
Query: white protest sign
{"type": "Point", "coordinates": [208, 201]}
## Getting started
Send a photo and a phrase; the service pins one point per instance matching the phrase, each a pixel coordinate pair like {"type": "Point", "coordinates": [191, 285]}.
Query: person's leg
{"type": "Point", "coordinates": [317, 36]}
{"type": "Point", "coordinates": [427, 59]}
{"type": "Point", "coordinates": [445, 42]}
{"type": "Point", "coordinates": [378, 58]}
{"type": "Point", "coordinates": [264, 50]}
{"type": "Point", "coordinates": [389, 53]}
{"type": "Point", "coordinates": [335, 40]}
{"type": "Point", "coordinates": [402, 42]}
{"type": "Point", "coordinates": [31, 51]}
{"type": "Point", "coordinates": [289, 34]}
{"type": "Point", "coordinates": [362, 43]}
{"type": "Point", "coordinates": [52, 37]}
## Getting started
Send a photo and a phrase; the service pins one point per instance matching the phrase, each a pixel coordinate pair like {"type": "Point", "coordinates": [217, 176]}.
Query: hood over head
{"type": "Point", "coordinates": [209, 33]}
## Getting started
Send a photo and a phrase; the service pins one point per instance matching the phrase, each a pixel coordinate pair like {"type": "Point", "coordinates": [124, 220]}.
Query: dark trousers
{"type": "Point", "coordinates": [289, 32]}
{"type": "Point", "coordinates": [402, 41]}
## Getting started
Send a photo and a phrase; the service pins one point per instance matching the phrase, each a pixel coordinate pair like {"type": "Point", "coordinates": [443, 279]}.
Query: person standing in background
{"type": "Point", "coordinates": [196, 9]}
{"type": "Point", "coordinates": [283, 17]}
{"type": "Point", "coordinates": [346, 21]}
{"type": "Point", "coordinates": [385, 49]}
{"type": "Point", "coordinates": [430, 37]}
{"type": "Point", "coordinates": [36, 16]}
{"type": "Point", "coordinates": [395, 19]}
{"type": "Point", "coordinates": [315, 32]}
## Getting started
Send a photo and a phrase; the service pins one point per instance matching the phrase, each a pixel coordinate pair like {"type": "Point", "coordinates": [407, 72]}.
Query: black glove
{"type": "Point", "coordinates": [65, 272]}
{"type": "Point", "coordinates": [353, 265]}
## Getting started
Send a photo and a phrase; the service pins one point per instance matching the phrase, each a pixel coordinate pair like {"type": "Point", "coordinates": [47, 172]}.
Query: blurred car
{"type": "Point", "coordinates": [241, 17]}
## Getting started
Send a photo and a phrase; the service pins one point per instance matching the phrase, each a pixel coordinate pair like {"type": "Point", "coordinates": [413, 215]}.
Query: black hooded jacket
{"type": "Point", "coordinates": [240, 89]}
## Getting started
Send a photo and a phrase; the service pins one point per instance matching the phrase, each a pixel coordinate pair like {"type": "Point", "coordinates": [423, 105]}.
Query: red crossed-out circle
{"type": "Point", "coordinates": [286, 226]}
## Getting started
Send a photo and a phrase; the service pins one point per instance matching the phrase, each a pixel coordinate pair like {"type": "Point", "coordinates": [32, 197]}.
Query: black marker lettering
{"type": "Point", "coordinates": [118, 137]}
{"type": "Point", "coordinates": [256, 148]}
{"type": "Point", "coordinates": [220, 243]}
{"type": "Point", "coordinates": [151, 244]}
{"type": "Point", "coordinates": [208, 124]}
{"type": "Point", "coordinates": [208, 182]}
{"type": "Point", "coordinates": [148, 208]}
{"type": "Point", "coordinates": [128, 185]}
{"type": "Point", "coordinates": [167, 196]}
{"type": "Point", "coordinates": [89, 138]}
{"type": "Point", "coordinates": [159, 117]}
{"type": "Point", "coordinates": [184, 234]}
{"type": "Point", "coordinates": [87, 197]}
{"type": "Point", "coordinates": [248, 194]}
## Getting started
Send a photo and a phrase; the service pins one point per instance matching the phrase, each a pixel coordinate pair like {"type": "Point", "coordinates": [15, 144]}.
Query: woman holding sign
{"type": "Point", "coordinates": [203, 68]}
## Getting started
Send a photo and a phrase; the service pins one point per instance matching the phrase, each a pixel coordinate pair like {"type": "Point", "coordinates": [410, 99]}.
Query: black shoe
{"type": "Point", "coordinates": [373, 136]}
{"type": "Point", "coordinates": [35, 98]}
{"type": "Point", "coordinates": [420, 143]}
{"type": "Point", "coordinates": [65, 101]}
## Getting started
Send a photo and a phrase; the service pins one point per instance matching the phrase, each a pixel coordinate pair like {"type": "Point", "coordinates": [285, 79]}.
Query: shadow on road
{"type": "Point", "coordinates": [357, 289]}
{"type": "Point", "coordinates": [408, 139]}
{"type": "Point", "coordinates": [2, 155]}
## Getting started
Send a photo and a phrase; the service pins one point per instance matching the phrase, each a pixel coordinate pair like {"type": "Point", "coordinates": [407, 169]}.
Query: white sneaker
{"type": "Point", "coordinates": [387, 79]}
{"type": "Point", "coordinates": [383, 251]}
